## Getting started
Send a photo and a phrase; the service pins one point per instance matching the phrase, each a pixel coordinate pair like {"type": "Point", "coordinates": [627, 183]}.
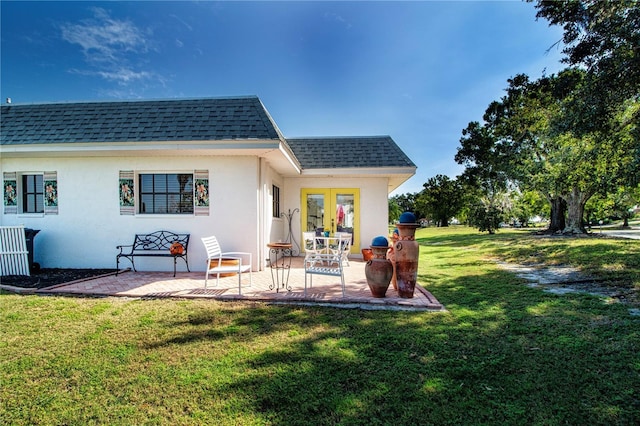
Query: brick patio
{"type": "Point", "coordinates": [326, 290]}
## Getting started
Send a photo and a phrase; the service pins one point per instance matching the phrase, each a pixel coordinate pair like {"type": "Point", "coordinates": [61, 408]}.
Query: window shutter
{"type": "Point", "coordinates": [50, 192]}
{"type": "Point", "coordinates": [201, 188]}
{"type": "Point", "coordinates": [127, 196]}
{"type": "Point", "coordinates": [10, 185]}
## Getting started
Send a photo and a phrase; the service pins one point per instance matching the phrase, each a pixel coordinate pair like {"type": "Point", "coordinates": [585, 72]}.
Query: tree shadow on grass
{"type": "Point", "coordinates": [503, 354]}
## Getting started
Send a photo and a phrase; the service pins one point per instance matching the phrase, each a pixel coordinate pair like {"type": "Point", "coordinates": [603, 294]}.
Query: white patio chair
{"type": "Point", "coordinates": [311, 247]}
{"type": "Point", "coordinates": [322, 265]}
{"type": "Point", "coordinates": [344, 245]}
{"type": "Point", "coordinates": [215, 256]}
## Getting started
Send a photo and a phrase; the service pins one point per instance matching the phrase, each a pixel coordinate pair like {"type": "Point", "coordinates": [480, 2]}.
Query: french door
{"type": "Point", "coordinates": [332, 210]}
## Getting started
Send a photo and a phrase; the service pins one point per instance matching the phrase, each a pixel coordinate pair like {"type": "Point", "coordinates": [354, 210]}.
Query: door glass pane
{"type": "Point", "coordinates": [344, 213]}
{"type": "Point", "coordinates": [315, 211]}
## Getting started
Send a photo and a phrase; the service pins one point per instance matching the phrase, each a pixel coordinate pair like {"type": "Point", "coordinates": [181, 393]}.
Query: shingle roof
{"type": "Point", "coordinates": [348, 152]}
{"type": "Point", "coordinates": [209, 119]}
{"type": "Point", "coordinates": [137, 121]}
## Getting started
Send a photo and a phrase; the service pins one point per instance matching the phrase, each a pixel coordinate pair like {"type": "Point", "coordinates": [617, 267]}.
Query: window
{"type": "Point", "coordinates": [32, 194]}
{"type": "Point", "coordinates": [166, 193]}
{"type": "Point", "coordinates": [276, 201]}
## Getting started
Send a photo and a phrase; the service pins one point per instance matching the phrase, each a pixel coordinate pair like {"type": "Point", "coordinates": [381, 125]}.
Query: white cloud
{"type": "Point", "coordinates": [330, 16]}
{"type": "Point", "coordinates": [109, 46]}
{"type": "Point", "coordinates": [121, 76]}
{"type": "Point", "coordinates": [125, 76]}
{"type": "Point", "coordinates": [104, 39]}
{"type": "Point", "coordinates": [183, 22]}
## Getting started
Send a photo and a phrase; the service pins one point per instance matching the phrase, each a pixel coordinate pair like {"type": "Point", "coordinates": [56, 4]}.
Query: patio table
{"type": "Point", "coordinates": [328, 245]}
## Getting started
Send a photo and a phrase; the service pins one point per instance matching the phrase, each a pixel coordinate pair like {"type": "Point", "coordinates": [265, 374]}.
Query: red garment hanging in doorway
{"type": "Point", "coordinates": [340, 214]}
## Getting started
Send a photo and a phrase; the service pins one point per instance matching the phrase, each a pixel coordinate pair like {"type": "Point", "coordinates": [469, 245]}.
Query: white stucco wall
{"type": "Point", "coordinates": [89, 226]}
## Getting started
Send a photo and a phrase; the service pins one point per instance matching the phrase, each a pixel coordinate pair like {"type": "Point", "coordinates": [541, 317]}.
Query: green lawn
{"type": "Point", "coordinates": [502, 354]}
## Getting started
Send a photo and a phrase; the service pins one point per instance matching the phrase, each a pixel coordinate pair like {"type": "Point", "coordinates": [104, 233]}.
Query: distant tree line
{"type": "Point", "coordinates": [565, 146]}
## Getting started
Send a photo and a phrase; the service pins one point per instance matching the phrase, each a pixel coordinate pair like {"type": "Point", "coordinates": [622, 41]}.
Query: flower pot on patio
{"type": "Point", "coordinates": [367, 254]}
{"type": "Point", "coordinates": [379, 269]}
{"type": "Point", "coordinates": [407, 252]}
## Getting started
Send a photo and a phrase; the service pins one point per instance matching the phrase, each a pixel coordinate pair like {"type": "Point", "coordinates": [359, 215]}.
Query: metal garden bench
{"type": "Point", "coordinates": [156, 244]}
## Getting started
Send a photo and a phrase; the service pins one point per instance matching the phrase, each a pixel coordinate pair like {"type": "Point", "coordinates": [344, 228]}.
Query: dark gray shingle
{"type": "Point", "coordinates": [238, 118]}
{"type": "Point", "coordinates": [348, 152]}
{"type": "Point", "coordinates": [135, 121]}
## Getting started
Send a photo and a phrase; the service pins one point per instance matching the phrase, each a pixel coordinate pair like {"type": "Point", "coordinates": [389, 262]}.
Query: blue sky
{"type": "Point", "coordinates": [417, 71]}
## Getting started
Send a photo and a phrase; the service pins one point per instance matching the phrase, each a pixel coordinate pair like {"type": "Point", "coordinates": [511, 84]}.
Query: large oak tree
{"type": "Point", "coordinates": [525, 139]}
{"type": "Point", "coordinates": [575, 134]}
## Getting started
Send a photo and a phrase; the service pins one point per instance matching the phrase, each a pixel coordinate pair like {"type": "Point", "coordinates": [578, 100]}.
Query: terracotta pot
{"type": "Point", "coordinates": [407, 231]}
{"type": "Point", "coordinates": [391, 255]}
{"type": "Point", "coordinates": [406, 252]}
{"type": "Point", "coordinates": [367, 254]}
{"type": "Point", "coordinates": [378, 271]}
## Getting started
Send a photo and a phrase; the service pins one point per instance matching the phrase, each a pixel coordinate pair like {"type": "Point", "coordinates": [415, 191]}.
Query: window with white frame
{"type": "Point", "coordinates": [30, 193]}
{"type": "Point", "coordinates": [166, 193]}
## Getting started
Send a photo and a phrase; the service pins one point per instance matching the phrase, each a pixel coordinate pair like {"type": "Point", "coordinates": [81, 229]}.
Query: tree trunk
{"type": "Point", "coordinates": [558, 209]}
{"type": "Point", "coordinates": [576, 200]}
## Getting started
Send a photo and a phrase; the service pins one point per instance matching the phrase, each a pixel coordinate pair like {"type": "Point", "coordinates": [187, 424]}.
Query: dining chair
{"type": "Point", "coordinates": [344, 245]}
{"type": "Point", "coordinates": [311, 246]}
{"type": "Point", "coordinates": [215, 265]}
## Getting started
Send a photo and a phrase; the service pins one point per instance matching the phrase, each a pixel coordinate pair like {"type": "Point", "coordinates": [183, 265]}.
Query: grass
{"type": "Point", "coordinates": [502, 354]}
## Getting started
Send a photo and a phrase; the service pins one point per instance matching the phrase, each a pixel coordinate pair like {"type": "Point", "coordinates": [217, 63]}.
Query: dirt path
{"type": "Point", "coordinates": [567, 279]}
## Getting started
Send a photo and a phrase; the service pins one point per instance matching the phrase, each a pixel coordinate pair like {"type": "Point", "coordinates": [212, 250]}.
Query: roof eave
{"type": "Point", "coordinates": [344, 171]}
{"type": "Point", "coordinates": [222, 147]}
{"type": "Point", "coordinates": [396, 175]}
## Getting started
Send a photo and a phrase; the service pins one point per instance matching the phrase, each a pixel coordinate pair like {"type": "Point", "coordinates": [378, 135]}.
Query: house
{"type": "Point", "coordinates": [90, 175]}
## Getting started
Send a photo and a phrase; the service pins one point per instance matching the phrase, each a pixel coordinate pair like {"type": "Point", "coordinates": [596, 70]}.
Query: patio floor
{"type": "Point", "coordinates": [326, 290]}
